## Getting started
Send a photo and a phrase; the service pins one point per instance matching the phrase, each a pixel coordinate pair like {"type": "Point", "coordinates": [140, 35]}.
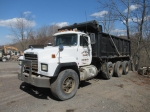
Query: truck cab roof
{"type": "Point", "coordinates": [68, 32]}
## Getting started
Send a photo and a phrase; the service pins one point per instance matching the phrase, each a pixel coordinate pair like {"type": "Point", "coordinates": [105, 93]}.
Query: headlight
{"type": "Point", "coordinates": [44, 67]}
{"type": "Point", "coordinates": [20, 62]}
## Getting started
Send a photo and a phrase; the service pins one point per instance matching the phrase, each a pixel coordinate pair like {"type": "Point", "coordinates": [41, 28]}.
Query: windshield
{"type": "Point", "coordinates": [66, 40]}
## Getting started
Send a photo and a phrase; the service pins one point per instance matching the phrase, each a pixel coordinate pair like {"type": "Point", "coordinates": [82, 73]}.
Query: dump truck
{"type": "Point", "coordinates": [80, 52]}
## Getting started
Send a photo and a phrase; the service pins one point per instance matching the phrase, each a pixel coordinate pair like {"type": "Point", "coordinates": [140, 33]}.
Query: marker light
{"type": "Point", "coordinates": [53, 56]}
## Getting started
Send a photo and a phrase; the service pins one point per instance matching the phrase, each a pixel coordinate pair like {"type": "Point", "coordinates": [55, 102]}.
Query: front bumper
{"type": "Point", "coordinates": [33, 79]}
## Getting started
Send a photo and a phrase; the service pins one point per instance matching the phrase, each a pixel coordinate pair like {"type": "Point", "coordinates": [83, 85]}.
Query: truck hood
{"type": "Point", "coordinates": [41, 50]}
{"type": "Point", "coordinates": [46, 52]}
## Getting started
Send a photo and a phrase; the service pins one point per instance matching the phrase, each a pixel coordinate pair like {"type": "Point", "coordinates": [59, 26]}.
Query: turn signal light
{"type": "Point", "coordinates": [53, 56]}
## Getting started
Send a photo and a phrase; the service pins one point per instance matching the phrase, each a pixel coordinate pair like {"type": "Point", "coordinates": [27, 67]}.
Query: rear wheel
{"type": "Point", "coordinates": [66, 84]}
{"type": "Point", "coordinates": [125, 65]}
{"type": "Point", "coordinates": [108, 71]}
{"type": "Point", "coordinates": [118, 69]}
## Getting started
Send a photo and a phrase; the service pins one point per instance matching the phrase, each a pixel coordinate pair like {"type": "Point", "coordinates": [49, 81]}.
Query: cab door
{"type": "Point", "coordinates": [84, 51]}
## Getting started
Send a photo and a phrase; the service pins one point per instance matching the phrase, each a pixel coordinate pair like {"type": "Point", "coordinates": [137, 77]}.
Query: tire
{"type": "Point", "coordinates": [65, 85]}
{"type": "Point", "coordinates": [108, 72]}
{"type": "Point", "coordinates": [118, 69]}
{"type": "Point", "coordinates": [125, 65]}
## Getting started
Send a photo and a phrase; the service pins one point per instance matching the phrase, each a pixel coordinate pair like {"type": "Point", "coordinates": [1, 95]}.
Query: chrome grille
{"type": "Point", "coordinates": [34, 59]}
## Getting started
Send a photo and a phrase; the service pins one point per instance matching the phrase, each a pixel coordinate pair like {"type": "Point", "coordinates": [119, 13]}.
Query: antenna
{"type": "Point", "coordinates": [86, 21]}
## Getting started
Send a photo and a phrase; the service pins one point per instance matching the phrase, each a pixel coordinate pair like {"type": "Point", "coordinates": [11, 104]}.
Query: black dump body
{"type": "Point", "coordinates": [105, 46]}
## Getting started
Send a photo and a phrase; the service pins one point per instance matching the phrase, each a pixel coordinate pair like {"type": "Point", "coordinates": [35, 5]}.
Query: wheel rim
{"type": "Point", "coordinates": [68, 85]}
{"type": "Point", "coordinates": [110, 70]}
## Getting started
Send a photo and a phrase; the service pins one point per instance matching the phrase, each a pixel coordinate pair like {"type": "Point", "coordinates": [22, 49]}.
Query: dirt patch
{"type": "Point", "coordinates": [129, 92]}
{"type": "Point", "coordinates": [120, 85]}
{"type": "Point", "coordinates": [70, 110]}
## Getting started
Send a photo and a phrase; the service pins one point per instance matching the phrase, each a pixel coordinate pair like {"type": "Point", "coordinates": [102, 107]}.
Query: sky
{"type": "Point", "coordinates": [46, 12]}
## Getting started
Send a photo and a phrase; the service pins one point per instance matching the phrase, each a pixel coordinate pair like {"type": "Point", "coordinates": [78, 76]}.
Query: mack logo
{"type": "Point", "coordinates": [29, 52]}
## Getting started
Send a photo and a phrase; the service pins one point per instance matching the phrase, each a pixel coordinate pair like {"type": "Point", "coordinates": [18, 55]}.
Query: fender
{"type": "Point", "coordinates": [71, 64]}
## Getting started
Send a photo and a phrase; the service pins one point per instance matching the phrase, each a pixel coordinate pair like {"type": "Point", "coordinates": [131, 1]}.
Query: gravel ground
{"type": "Point", "coordinates": [130, 92]}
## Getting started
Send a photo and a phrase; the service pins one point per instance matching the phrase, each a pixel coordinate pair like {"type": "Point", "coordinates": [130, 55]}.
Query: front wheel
{"type": "Point", "coordinates": [65, 85]}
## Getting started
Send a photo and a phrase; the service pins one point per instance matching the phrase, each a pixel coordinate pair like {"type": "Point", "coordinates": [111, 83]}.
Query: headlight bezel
{"type": "Point", "coordinates": [45, 66]}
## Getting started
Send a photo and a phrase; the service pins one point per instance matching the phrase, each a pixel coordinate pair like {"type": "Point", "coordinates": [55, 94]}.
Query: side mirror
{"type": "Point", "coordinates": [92, 36]}
{"type": "Point", "coordinates": [61, 48]}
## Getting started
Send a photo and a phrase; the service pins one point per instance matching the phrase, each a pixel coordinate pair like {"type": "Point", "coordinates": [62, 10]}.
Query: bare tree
{"type": "Point", "coordinates": [140, 19]}
{"type": "Point", "coordinates": [44, 34]}
{"type": "Point", "coordinates": [107, 22]}
{"type": "Point", "coordinates": [53, 29]}
{"type": "Point", "coordinates": [116, 11]}
{"type": "Point", "coordinates": [134, 14]}
{"type": "Point", "coordinates": [22, 30]}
